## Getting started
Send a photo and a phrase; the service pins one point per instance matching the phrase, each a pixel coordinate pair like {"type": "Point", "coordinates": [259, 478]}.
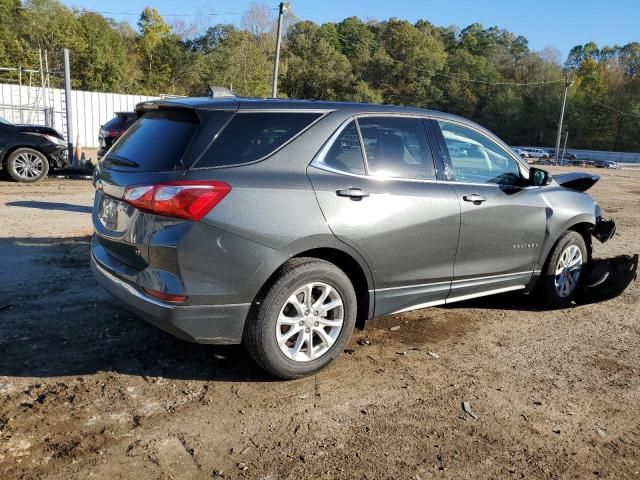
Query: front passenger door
{"type": "Point", "coordinates": [503, 220]}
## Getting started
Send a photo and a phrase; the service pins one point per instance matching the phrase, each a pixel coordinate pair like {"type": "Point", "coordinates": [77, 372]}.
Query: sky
{"type": "Point", "coordinates": [561, 24]}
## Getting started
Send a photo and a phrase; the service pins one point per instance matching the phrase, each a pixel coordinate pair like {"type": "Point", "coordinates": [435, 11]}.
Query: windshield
{"type": "Point", "coordinates": [5, 121]}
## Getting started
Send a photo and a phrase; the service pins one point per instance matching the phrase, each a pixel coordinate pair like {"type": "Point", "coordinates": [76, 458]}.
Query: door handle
{"type": "Point", "coordinates": [355, 193]}
{"type": "Point", "coordinates": [475, 198]}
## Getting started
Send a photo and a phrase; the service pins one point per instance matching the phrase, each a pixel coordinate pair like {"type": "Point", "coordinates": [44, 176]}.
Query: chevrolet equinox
{"type": "Point", "coordinates": [280, 223]}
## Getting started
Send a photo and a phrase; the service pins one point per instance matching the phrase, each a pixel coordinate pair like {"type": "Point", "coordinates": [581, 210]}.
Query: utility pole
{"type": "Point", "coordinates": [564, 148]}
{"type": "Point", "coordinates": [67, 102]}
{"type": "Point", "coordinates": [567, 84]}
{"type": "Point", "coordinates": [276, 62]}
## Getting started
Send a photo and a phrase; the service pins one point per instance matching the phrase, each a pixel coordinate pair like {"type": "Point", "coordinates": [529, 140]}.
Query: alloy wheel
{"type": "Point", "coordinates": [28, 165]}
{"type": "Point", "coordinates": [310, 322]}
{"type": "Point", "coordinates": [568, 271]}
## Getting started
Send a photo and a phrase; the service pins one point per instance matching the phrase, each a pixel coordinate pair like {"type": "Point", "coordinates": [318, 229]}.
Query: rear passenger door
{"type": "Point", "coordinates": [375, 183]}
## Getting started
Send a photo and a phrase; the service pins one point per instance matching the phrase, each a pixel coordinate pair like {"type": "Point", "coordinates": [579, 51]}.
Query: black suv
{"type": "Point", "coordinates": [113, 130]}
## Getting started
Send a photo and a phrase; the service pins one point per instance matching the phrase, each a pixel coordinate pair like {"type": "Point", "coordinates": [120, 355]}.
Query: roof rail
{"type": "Point", "coordinates": [214, 91]}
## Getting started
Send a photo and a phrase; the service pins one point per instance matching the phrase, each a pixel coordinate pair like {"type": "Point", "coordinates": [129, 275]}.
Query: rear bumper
{"type": "Point", "coordinates": [218, 324]}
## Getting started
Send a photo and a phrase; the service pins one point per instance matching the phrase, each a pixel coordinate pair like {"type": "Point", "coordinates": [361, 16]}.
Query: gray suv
{"type": "Point", "coordinates": [279, 224]}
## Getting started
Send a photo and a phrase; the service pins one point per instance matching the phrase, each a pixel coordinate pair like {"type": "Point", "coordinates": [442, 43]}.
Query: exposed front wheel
{"type": "Point", "coordinates": [304, 320]}
{"type": "Point", "coordinates": [563, 273]}
{"type": "Point", "coordinates": [27, 165]}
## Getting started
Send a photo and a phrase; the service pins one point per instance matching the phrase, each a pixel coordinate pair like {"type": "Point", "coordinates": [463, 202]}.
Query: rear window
{"type": "Point", "coordinates": [251, 136]}
{"type": "Point", "coordinates": [157, 141]}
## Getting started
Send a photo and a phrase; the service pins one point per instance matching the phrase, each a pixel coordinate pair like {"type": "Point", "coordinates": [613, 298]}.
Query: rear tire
{"type": "Point", "coordinates": [563, 273]}
{"type": "Point", "coordinates": [303, 321]}
{"type": "Point", "coordinates": [26, 165]}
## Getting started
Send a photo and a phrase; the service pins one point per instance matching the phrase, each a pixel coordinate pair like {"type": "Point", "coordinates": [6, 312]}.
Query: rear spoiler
{"type": "Point", "coordinates": [188, 103]}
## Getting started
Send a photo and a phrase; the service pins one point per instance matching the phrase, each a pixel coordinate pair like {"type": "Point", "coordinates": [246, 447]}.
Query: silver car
{"type": "Point", "coordinates": [281, 224]}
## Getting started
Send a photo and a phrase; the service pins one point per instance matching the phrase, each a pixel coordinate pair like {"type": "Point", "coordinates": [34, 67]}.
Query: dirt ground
{"type": "Point", "coordinates": [88, 390]}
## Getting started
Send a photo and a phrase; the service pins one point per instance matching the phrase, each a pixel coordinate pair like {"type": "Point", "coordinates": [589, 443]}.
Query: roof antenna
{"type": "Point", "coordinates": [215, 91]}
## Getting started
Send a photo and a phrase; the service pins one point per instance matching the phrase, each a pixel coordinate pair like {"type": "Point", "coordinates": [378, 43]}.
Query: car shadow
{"type": "Point", "coordinates": [55, 320]}
{"type": "Point", "coordinates": [605, 278]}
{"type": "Point", "coordinates": [608, 277]}
{"type": "Point", "coordinates": [65, 207]}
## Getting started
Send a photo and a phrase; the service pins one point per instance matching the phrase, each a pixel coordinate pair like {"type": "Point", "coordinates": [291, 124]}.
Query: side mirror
{"type": "Point", "coordinates": [539, 177]}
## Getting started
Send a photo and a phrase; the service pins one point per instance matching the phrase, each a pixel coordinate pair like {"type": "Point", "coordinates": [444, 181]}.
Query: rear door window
{"type": "Point", "coordinates": [252, 136]}
{"type": "Point", "coordinates": [397, 147]}
{"type": "Point", "coordinates": [345, 153]}
{"type": "Point", "coordinates": [156, 142]}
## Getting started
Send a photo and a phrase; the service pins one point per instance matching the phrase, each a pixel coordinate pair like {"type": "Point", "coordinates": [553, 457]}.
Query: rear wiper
{"type": "Point", "coordinates": [122, 161]}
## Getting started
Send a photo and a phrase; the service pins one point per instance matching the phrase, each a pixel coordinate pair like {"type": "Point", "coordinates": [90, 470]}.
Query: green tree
{"type": "Point", "coordinates": [99, 62]}
{"type": "Point", "coordinates": [405, 63]}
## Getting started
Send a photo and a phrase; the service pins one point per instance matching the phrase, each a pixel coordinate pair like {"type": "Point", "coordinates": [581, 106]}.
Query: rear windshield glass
{"type": "Point", "coordinates": [155, 142]}
{"type": "Point", "coordinates": [251, 136]}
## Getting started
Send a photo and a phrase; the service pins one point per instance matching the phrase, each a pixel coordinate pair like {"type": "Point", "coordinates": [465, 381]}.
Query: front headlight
{"type": "Point", "coordinates": [598, 210]}
{"type": "Point", "coordinates": [56, 140]}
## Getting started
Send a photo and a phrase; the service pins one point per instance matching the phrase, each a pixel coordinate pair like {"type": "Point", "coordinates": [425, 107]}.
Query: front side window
{"type": "Point", "coordinates": [397, 147]}
{"type": "Point", "coordinates": [345, 153]}
{"type": "Point", "coordinates": [252, 136]}
{"type": "Point", "coordinates": [476, 158]}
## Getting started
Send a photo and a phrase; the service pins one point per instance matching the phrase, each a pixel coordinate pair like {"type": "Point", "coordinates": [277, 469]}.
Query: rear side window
{"type": "Point", "coordinates": [157, 141]}
{"type": "Point", "coordinates": [345, 153]}
{"type": "Point", "coordinates": [397, 147]}
{"type": "Point", "coordinates": [251, 136]}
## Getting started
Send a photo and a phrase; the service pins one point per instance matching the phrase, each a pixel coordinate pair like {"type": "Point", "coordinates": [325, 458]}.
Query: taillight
{"type": "Point", "coordinates": [183, 199]}
{"type": "Point", "coordinates": [115, 132]}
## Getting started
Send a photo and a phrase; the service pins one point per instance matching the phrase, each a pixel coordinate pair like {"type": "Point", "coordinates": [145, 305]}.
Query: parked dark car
{"type": "Point", "coordinates": [606, 164]}
{"type": "Point", "coordinates": [579, 163]}
{"type": "Point", "coordinates": [113, 130]}
{"type": "Point", "coordinates": [27, 152]}
{"type": "Point", "coordinates": [566, 155]}
{"type": "Point", "coordinates": [282, 223]}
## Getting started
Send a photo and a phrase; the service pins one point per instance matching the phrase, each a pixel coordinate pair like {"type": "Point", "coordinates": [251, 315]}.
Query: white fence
{"type": "Point", "coordinates": [90, 110]}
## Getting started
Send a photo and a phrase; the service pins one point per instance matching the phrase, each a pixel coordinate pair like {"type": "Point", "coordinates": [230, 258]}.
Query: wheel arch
{"type": "Point", "coordinates": [356, 269]}
{"type": "Point", "coordinates": [582, 224]}
{"type": "Point", "coordinates": [584, 229]}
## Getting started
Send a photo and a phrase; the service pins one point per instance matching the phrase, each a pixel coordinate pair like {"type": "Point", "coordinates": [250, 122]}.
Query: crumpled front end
{"type": "Point", "coordinates": [605, 228]}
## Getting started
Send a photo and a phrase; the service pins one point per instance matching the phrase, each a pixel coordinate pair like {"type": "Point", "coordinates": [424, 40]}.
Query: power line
{"type": "Point", "coordinates": [136, 14]}
{"type": "Point", "coordinates": [617, 111]}
{"type": "Point", "coordinates": [170, 14]}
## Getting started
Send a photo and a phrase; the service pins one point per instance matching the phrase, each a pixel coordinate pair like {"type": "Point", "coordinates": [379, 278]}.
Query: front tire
{"type": "Point", "coordinates": [303, 321]}
{"type": "Point", "coordinates": [27, 165]}
{"type": "Point", "coordinates": [562, 275]}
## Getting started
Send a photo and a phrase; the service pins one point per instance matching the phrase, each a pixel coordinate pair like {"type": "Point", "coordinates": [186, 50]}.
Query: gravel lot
{"type": "Point", "coordinates": [88, 390]}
